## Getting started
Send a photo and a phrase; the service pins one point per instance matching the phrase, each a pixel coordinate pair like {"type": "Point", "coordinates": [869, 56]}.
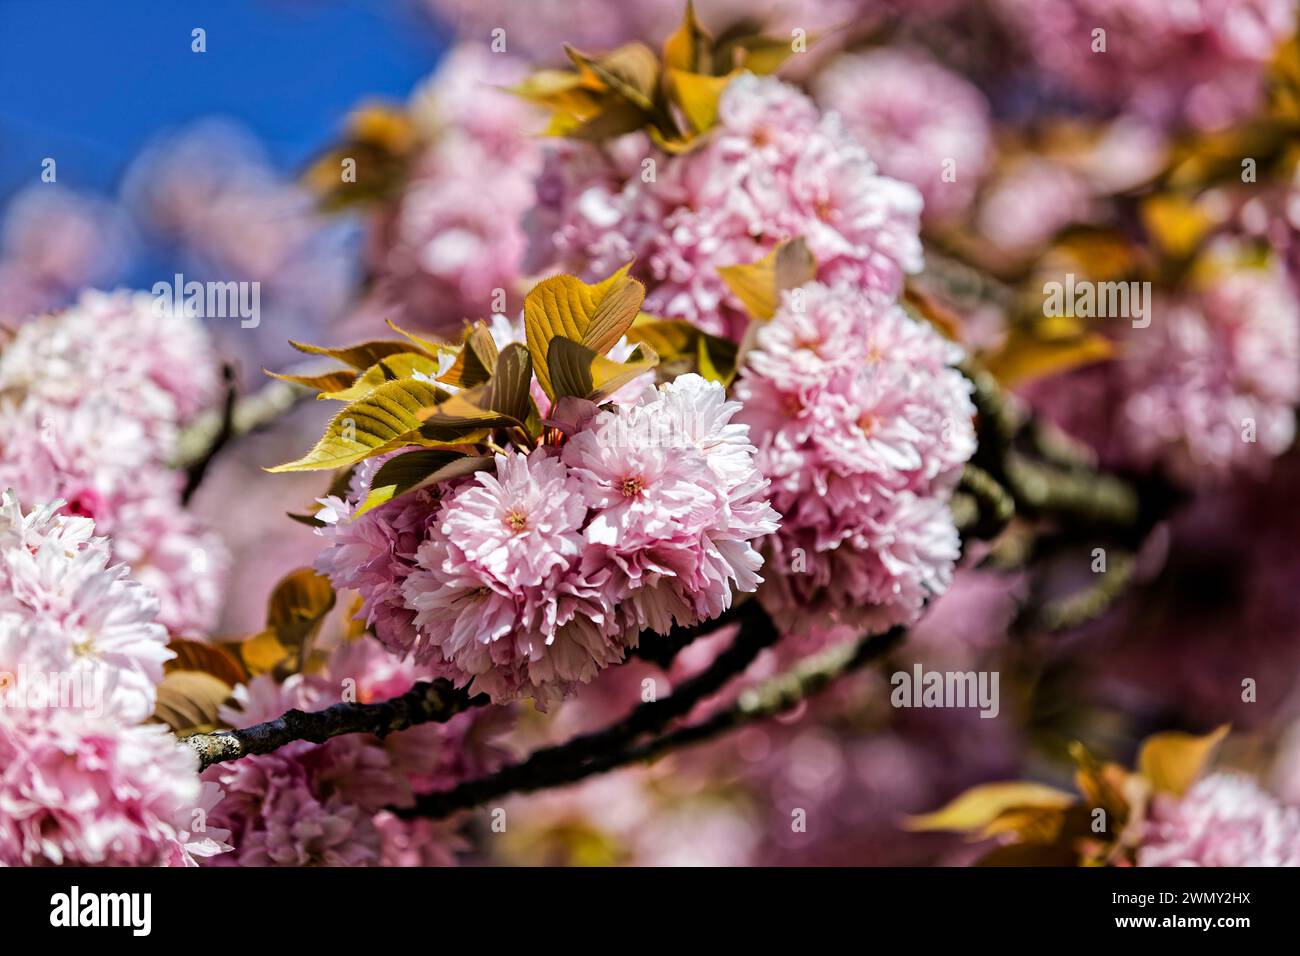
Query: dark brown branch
{"type": "Point", "coordinates": [427, 702]}
{"type": "Point", "coordinates": [225, 431]}
{"type": "Point", "coordinates": [558, 763]}
{"type": "Point", "coordinates": [570, 764]}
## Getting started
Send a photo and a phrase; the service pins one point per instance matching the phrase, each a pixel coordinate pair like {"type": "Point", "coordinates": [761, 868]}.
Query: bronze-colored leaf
{"type": "Point", "coordinates": [759, 284]}
{"type": "Point", "coordinates": [212, 659]}
{"type": "Point", "coordinates": [475, 360]}
{"type": "Point", "coordinates": [974, 810]}
{"type": "Point", "coordinates": [361, 356]}
{"type": "Point", "coordinates": [578, 371]}
{"type": "Point", "coordinates": [325, 382]}
{"type": "Point", "coordinates": [263, 653]}
{"type": "Point", "coordinates": [690, 47]}
{"type": "Point", "coordinates": [631, 71]}
{"type": "Point", "coordinates": [297, 606]}
{"type": "Point", "coordinates": [697, 96]}
{"type": "Point", "coordinates": [511, 382]}
{"type": "Point", "coordinates": [189, 702]}
{"type": "Point", "coordinates": [1173, 761]}
{"type": "Point", "coordinates": [566, 306]}
{"type": "Point", "coordinates": [408, 469]}
{"type": "Point", "coordinates": [399, 365]}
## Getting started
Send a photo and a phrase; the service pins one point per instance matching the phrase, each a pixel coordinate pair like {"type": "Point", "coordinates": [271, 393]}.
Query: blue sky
{"type": "Point", "coordinates": [88, 82]}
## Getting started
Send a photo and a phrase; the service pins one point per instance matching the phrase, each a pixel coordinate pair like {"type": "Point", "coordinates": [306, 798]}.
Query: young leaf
{"type": "Point", "coordinates": [674, 339]}
{"type": "Point", "coordinates": [326, 382]}
{"type": "Point", "coordinates": [511, 382]}
{"type": "Point", "coordinates": [461, 411]}
{"type": "Point", "coordinates": [578, 371]}
{"type": "Point", "coordinates": [360, 357]}
{"type": "Point", "coordinates": [405, 471]}
{"type": "Point", "coordinates": [475, 360]}
{"type": "Point", "coordinates": [716, 358]}
{"type": "Point", "coordinates": [974, 810]}
{"type": "Point", "coordinates": [400, 365]}
{"type": "Point", "coordinates": [263, 653]}
{"type": "Point", "coordinates": [566, 306]}
{"type": "Point", "coordinates": [422, 344]}
{"type": "Point", "coordinates": [188, 702]}
{"type": "Point", "coordinates": [562, 91]}
{"type": "Point", "coordinates": [614, 315]}
{"type": "Point", "coordinates": [631, 71]}
{"type": "Point", "coordinates": [759, 285]}
{"type": "Point", "coordinates": [1025, 355]}
{"type": "Point", "coordinates": [211, 659]}
{"type": "Point", "coordinates": [1173, 761]}
{"type": "Point", "coordinates": [697, 96]}
{"type": "Point", "coordinates": [299, 602]}
{"type": "Point", "coordinates": [370, 426]}
{"type": "Point", "coordinates": [690, 48]}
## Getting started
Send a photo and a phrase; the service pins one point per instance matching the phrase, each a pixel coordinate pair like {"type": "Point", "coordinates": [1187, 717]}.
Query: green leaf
{"type": "Point", "coordinates": [511, 382]}
{"type": "Point", "coordinates": [371, 426]}
{"type": "Point", "coordinates": [361, 356]}
{"type": "Point", "coordinates": [759, 284]}
{"type": "Point", "coordinates": [578, 371]}
{"type": "Point", "coordinates": [401, 365]}
{"type": "Point", "coordinates": [566, 306]}
{"type": "Point", "coordinates": [1173, 761]}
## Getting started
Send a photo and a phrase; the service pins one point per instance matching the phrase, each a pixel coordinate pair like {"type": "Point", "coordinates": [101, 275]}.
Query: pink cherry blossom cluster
{"type": "Point", "coordinates": [1212, 385]}
{"type": "Point", "coordinates": [82, 780]}
{"type": "Point", "coordinates": [1199, 62]}
{"type": "Point", "coordinates": [863, 427]}
{"type": "Point", "coordinates": [529, 578]}
{"type": "Point", "coordinates": [453, 237]}
{"type": "Point", "coordinates": [921, 123]}
{"type": "Point", "coordinates": [324, 804]}
{"type": "Point", "coordinates": [55, 241]}
{"type": "Point", "coordinates": [1225, 819]}
{"type": "Point", "coordinates": [771, 169]}
{"type": "Point", "coordinates": [93, 398]}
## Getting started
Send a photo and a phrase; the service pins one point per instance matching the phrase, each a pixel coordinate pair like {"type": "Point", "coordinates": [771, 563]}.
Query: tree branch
{"type": "Point", "coordinates": [427, 702]}
{"type": "Point", "coordinates": [597, 753]}
{"type": "Point", "coordinates": [551, 764]}
{"type": "Point", "coordinates": [206, 435]}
